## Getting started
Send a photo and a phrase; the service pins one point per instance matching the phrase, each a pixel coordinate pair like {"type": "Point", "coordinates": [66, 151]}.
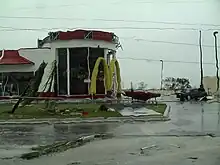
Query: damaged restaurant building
{"type": "Point", "coordinates": [85, 60]}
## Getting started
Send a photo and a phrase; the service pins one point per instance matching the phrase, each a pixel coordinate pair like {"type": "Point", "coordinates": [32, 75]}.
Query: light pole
{"type": "Point", "coordinates": [216, 59]}
{"type": "Point", "coordinates": [201, 57]}
{"type": "Point", "coordinates": [217, 69]}
{"type": "Point", "coordinates": [161, 75]}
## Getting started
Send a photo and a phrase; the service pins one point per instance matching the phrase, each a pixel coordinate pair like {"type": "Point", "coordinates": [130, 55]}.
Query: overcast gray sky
{"type": "Point", "coordinates": [169, 21]}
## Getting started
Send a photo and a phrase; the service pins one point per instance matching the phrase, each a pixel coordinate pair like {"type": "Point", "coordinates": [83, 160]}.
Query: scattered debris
{"type": "Point", "coordinates": [75, 114]}
{"type": "Point", "coordinates": [30, 155]}
{"type": "Point", "coordinates": [73, 163]}
{"type": "Point", "coordinates": [211, 134]}
{"type": "Point", "coordinates": [62, 146]}
{"type": "Point", "coordinates": [87, 138]}
{"type": "Point", "coordinates": [192, 157]}
{"type": "Point", "coordinates": [147, 147]}
{"type": "Point", "coordinates": [103, 108]}
{"type": "Point", "coordinates": [111, 109]}
{"type": "Point", "coordinates": [67, 110]}
{"type": "Point", "coordinates": [174, 145]}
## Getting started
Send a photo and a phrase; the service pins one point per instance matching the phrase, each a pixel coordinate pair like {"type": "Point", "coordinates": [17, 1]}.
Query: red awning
{"type": "Point", "coordinates": [12, 57]}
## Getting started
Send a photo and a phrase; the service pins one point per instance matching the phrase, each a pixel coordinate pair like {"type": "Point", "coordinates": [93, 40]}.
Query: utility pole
{"type": "Point", "coordinates": [201, 54]}
{"type": "Point", "coordinates": [161, 75]}
{"type": "Point", "coordinates": [216, 59]}
{"type": "Point", "coordinates": [217, 76]}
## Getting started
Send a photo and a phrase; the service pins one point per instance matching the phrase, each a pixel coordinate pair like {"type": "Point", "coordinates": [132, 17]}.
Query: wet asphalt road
{"type": "Point", "coordinates": [186, 119]}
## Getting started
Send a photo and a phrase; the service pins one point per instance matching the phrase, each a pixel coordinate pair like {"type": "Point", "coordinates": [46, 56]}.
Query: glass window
{"type": "Point", "coordinates": [78, 71]}
{"type": "Point", "coordinates": [62, 71]}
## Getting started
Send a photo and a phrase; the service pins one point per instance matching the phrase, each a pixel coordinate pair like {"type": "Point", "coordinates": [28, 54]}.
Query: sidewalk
{"type": "Point", "coordinates": [84, 120]}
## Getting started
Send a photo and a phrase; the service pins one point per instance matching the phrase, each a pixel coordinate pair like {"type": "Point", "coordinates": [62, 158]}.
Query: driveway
{"type": "Point", "coordinates": [186, 119]}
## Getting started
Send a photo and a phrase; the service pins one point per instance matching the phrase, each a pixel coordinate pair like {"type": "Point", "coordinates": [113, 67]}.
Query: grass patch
{"type": "Point", "coordinates": [160, 108]}
{"type": "Point", "coordinates": [64, 110]}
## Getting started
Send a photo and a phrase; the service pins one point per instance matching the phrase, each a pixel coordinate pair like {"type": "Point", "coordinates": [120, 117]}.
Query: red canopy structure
{"type": "Point", "coordinates": [83, 34]}
{"type": "Point", "coordinates": [12, 57]}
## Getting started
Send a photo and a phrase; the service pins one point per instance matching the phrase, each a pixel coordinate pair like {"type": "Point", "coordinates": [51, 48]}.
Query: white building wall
{"type": "Point", "coordinates": [210, 83]}
{"type": "Point", "coordinates": [38, 56]}
{"type": "Point", "coordinates": [47, 45]}
{"type": "Point", "coordinates": [33, 54]}
{"type": "Point", "coordinates": [82, 43]}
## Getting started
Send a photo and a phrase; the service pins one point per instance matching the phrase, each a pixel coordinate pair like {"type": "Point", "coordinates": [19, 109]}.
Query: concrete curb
{"type": "Point", "coordinates": [167, 111]}
{"type": "Point", "coordinates": [78, 120]}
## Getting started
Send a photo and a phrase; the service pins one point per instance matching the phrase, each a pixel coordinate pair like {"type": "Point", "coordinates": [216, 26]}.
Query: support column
{"type": "Point", "coordinates": [106, 58]}
{"type": "Point", "coordinates": [68, 71]}
{"type": "Point", "coordinates": [57, 77]}
{"type": "Point", "coordinates": [106, 55]}
{"type": "Point", "coordinates": [89, 72]}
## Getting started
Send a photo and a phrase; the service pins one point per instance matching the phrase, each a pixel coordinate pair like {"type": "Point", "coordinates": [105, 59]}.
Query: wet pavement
{"type": "Point", "coordinates": [191, 119]}
{"type": "Point", "coordinates": [186, 119]}
{"type": "Point", "coordinates": [127, 151]}
{"type": "Point", "coordinates": [44, 134]}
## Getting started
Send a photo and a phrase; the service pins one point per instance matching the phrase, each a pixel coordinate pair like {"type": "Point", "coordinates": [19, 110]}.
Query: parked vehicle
{"type": "Point", "coordinates": [192, 94]}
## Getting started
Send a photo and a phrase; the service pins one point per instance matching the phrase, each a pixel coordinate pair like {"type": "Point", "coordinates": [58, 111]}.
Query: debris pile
{"type": "Point", "coordinates": [62, 146]}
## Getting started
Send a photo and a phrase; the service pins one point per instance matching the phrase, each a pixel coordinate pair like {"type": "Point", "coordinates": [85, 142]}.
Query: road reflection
{"type": "Point", "coordinates": [44, 134]}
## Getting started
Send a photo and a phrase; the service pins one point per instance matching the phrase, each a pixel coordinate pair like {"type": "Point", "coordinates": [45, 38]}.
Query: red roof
{"type": "Point", "coordinates": [12, 57]}
{"type": "Point", "coordinates": [86, 34]}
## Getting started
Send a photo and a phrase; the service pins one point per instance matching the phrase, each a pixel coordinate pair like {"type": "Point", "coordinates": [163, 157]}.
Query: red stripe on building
{"type": "Point", "coordinates": [82, 34]}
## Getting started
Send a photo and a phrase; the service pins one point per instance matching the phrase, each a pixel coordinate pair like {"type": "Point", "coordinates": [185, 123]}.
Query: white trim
{"type": "Point", "coordinates": [68, 71]}
{"type": "Point", "coordinates": [83, 43]}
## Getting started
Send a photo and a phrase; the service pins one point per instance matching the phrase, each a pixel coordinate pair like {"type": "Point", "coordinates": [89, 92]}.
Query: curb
{"type": "Point", "coordinates": [83, 121]}
{"type": "Point", "coordinates": [167, 111]}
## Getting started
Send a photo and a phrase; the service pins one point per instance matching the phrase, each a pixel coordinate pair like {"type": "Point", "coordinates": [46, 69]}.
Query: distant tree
{"type": "Point", "coordinates": [141, 86]}
{"type": "Point", "coordinates": [176, 83]}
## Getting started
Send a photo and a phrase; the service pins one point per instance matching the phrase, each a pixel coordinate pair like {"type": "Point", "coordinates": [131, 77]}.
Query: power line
{"type": "Point", "coordinates": [165, 42]}
{"type": "Point", "coordinates": [108, 20]}
{"type": "Point", "coordinates": [9, 28]}
{"type": "Point", "coordinates": [167, 61]}
{"type": "Point", "coordinates": [6, 28]}
{"type": "Point", "coordinates": [112, 3]}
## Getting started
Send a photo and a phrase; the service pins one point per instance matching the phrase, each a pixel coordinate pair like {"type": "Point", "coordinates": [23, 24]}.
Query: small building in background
{"type": "Point", "coordinates": [75, 52]}
{"type": "Point", "coordinates": [210, 84]}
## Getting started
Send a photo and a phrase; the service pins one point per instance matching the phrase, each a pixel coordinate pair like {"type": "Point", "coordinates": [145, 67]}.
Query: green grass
{"type": "Point", "coordinates": [160, 108]}
{"type": "Point", "coordinates": [38, 111]}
